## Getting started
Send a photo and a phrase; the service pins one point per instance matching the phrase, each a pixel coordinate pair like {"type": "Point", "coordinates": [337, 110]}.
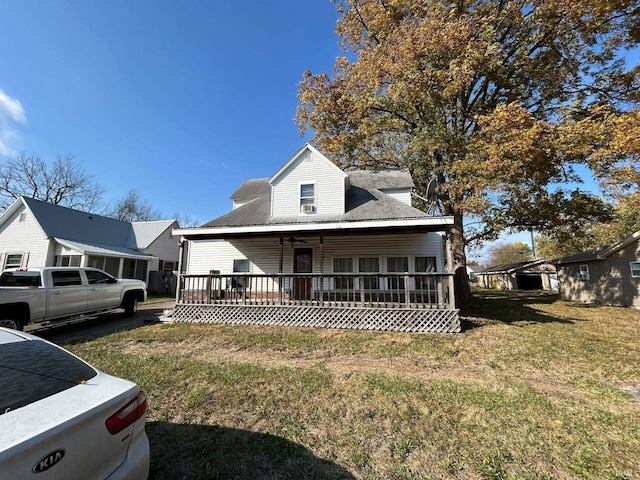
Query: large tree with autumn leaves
{"type": "Point", "coordinates": [499, 100]}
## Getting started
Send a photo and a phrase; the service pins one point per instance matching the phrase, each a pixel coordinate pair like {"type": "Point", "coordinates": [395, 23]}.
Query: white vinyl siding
{"type": "Point", "coordinates": [206, 255]}
{"type": "Point", "coordinates": [25, 236]}
{"type": "Point", "coordinates": [404, 195]}
{"type": "Point", "coordinates": [309, 169]}
{"type": "Point", "coordinates": [165, 248]}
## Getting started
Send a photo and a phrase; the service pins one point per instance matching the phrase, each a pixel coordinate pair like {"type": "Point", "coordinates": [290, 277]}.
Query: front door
{"type": "Point", "coordinates": [302, 263]}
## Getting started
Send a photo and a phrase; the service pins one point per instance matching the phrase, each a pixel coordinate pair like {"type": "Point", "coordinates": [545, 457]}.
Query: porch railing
{"type": "Point", "coordinates": [388, 290]}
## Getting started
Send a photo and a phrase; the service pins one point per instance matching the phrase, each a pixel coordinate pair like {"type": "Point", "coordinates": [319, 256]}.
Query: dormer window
{"type": "Point", "coordinates": [307, 198]}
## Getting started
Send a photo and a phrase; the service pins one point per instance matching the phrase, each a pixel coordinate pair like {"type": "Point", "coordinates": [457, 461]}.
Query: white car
{"type": "Point", "coordinates": [61, 418]}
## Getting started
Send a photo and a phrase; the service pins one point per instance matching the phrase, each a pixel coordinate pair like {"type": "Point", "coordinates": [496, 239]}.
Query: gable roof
{"type": "Point", "coordinates": [145, 233]}
{"type": "Point", "coordinates": [85, 231]}
{"type": "Point", "coordinates": [297, 155]}
{"type": "Point", "coordinates": [63, 222]}
{"type": "Point", "coordinates": [364, 202]}
{"type": "Point", "coordinates": [599, 253]}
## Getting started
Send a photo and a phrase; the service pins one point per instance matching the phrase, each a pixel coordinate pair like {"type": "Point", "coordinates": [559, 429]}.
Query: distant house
{"type": "Point", "coordinates": [317, 246]}
{"type": "Point", "coordinates": [530, 275]}
{"type": "Point", "coordinates": [39, 234]}
{"type": "Point", "coordinates": [607, 276]}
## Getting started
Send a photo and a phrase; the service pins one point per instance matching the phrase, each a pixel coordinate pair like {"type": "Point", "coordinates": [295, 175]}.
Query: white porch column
{"type": "Point", "coordinates": [449, 254]}
{"type": "Point", "coordinates": [120, 267]}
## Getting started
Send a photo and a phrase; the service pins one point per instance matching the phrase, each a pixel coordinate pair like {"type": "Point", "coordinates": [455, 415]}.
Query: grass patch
{"type": "Point", "coordinates": [534, 388]}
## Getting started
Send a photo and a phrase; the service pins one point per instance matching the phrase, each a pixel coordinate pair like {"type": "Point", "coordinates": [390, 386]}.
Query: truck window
{"type": "Point", "coordinates": [20, 279]}
{"type": "Point", "coordinates": [66, 278]}
{"type": "Point", "coordinates": [99, 278]}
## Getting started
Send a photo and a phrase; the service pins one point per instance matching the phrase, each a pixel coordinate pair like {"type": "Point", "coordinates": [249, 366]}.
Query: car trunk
{"type": "Point", "coordinates": [73, 442]}
{"type": "Point", "coordinates": [53, 409]}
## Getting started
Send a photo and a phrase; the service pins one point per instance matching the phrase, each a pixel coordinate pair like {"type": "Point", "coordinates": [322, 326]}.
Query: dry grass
{"type": "Point", "coordinates": [534, 388]}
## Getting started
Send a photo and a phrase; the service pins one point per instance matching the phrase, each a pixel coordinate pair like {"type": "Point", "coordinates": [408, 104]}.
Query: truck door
{"type": "Point", "coordinates": [67, 295]}
{"type": "Point", "coordinates": [103, 290]}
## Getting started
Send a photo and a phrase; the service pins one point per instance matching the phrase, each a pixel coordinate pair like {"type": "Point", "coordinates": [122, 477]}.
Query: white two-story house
{"type": "Point", "coordinates": [317, 246]}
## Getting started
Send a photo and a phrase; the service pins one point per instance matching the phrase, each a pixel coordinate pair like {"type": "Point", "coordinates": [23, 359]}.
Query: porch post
{"type": "Point", "coordinates": [281, 278]}
{"type": "Point", "coordinates": [449, 253]}
{"type": "Point", "coordinates": [321, 270]}
{"type": "Point", "coordinates": [179, 282]}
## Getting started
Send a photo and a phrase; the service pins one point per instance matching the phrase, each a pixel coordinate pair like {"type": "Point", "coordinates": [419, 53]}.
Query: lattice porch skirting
{"type": "Point", "coordinates": [352, 318]}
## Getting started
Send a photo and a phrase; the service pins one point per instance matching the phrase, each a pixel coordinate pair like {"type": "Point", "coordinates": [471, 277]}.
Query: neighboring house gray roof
{"type": "Point", "coordinates": [511, 267]}
{"type": "Point", "coordinates": [95, 249]}
{"type": "Point", "coordinates": [88, 231]}
{"type": "Point", "coordinates": [364, 202]}
{"type": "Point", "coordinates": [145, 233]}
{"type": "Point", "coordinates": [62, 222]}
{"type": "Point", "coordinates": [587, 256]}
{"type": "Point", "coordinates": [600, 253]}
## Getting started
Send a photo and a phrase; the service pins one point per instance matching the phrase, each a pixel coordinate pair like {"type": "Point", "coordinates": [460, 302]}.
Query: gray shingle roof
{"type": "Point", "coordinates": [92, 229]}
{"type": "Point", "coordinates": [251, 189]}
{"type": "Point", "coordinates": [365, 201]}
{"type": "Point", "coordinates": [381, 180]}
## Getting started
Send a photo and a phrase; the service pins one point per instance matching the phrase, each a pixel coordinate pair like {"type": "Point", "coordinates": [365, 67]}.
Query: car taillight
{"type": "Point", "coordinates": [128, 414]}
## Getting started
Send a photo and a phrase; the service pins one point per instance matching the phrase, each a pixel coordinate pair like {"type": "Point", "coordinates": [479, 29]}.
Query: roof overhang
{"type": "Point", "coordinates": [103, 250]}
{"type": "Point", "coordinates": [435, 224]}
{"type": "Point", "coordinates": [618, 245]}
{"type": "Point", "coordinates": [515, 269]}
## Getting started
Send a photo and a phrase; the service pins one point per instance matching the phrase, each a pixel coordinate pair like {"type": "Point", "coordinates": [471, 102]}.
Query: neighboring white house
{"type": "Point", "coordinates": [39, 234]}
{"type": "Point", "coordinates": [318, 236]}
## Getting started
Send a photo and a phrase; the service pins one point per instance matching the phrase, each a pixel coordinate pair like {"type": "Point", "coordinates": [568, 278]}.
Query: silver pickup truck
{"type": "Point", "coordinates": [41, 295]}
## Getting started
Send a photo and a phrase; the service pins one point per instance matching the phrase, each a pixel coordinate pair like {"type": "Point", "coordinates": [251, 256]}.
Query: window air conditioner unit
{"type": "Point", "coordinates": [307, 208]}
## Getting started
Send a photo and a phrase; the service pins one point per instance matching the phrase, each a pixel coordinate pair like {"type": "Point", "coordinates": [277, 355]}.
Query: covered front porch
{"type": "Point", "coordinates": [307, 291]}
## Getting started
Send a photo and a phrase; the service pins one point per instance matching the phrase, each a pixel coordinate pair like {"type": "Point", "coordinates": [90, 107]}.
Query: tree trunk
{"type": "Point", "coordinates": [461, 279]}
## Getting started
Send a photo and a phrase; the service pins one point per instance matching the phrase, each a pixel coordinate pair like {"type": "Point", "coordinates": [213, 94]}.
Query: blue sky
{"type": "Point", "coordinates": [180, 100]}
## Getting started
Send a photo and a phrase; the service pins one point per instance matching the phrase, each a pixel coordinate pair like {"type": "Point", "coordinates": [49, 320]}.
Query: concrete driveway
{"type": "Point", "coordinates": [148, 313]}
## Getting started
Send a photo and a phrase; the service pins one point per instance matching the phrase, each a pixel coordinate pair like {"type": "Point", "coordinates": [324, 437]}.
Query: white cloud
{"type": "Point", "coordinates": [11, 114]}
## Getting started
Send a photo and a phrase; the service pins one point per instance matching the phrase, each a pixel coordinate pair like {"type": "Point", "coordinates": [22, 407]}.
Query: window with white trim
{"type": "Point", "coordinates": [584, 272]}
{"type": "Point", "coordinates": [13, 260]}
{"type": "Point", "coordinates": [635, 269]}
{"type": "Point", "coordinates": [342, 265]}
{"type": "Point", "coordinates": [424, 265]}
{"type": "Point", "coordinates": [397, 265]}
{"type": "Point", "coordinates": [67, 260]}
{"type": "Point", "coordinates": [240, 265]}
{"type": "Point", "coordinates": [307, 197]}
{"type": "Point", "coordinates": [369, 265]}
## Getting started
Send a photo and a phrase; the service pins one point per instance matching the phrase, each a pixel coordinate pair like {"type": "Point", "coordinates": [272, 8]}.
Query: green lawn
{"type": "Point", "coordinates": [534, 388]}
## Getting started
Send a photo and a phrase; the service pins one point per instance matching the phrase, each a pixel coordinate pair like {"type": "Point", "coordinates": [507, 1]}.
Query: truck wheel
{"type": "Point", "coordinates": [10, 323]}
{"type": "Point", "coordinates": [131, 305]}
